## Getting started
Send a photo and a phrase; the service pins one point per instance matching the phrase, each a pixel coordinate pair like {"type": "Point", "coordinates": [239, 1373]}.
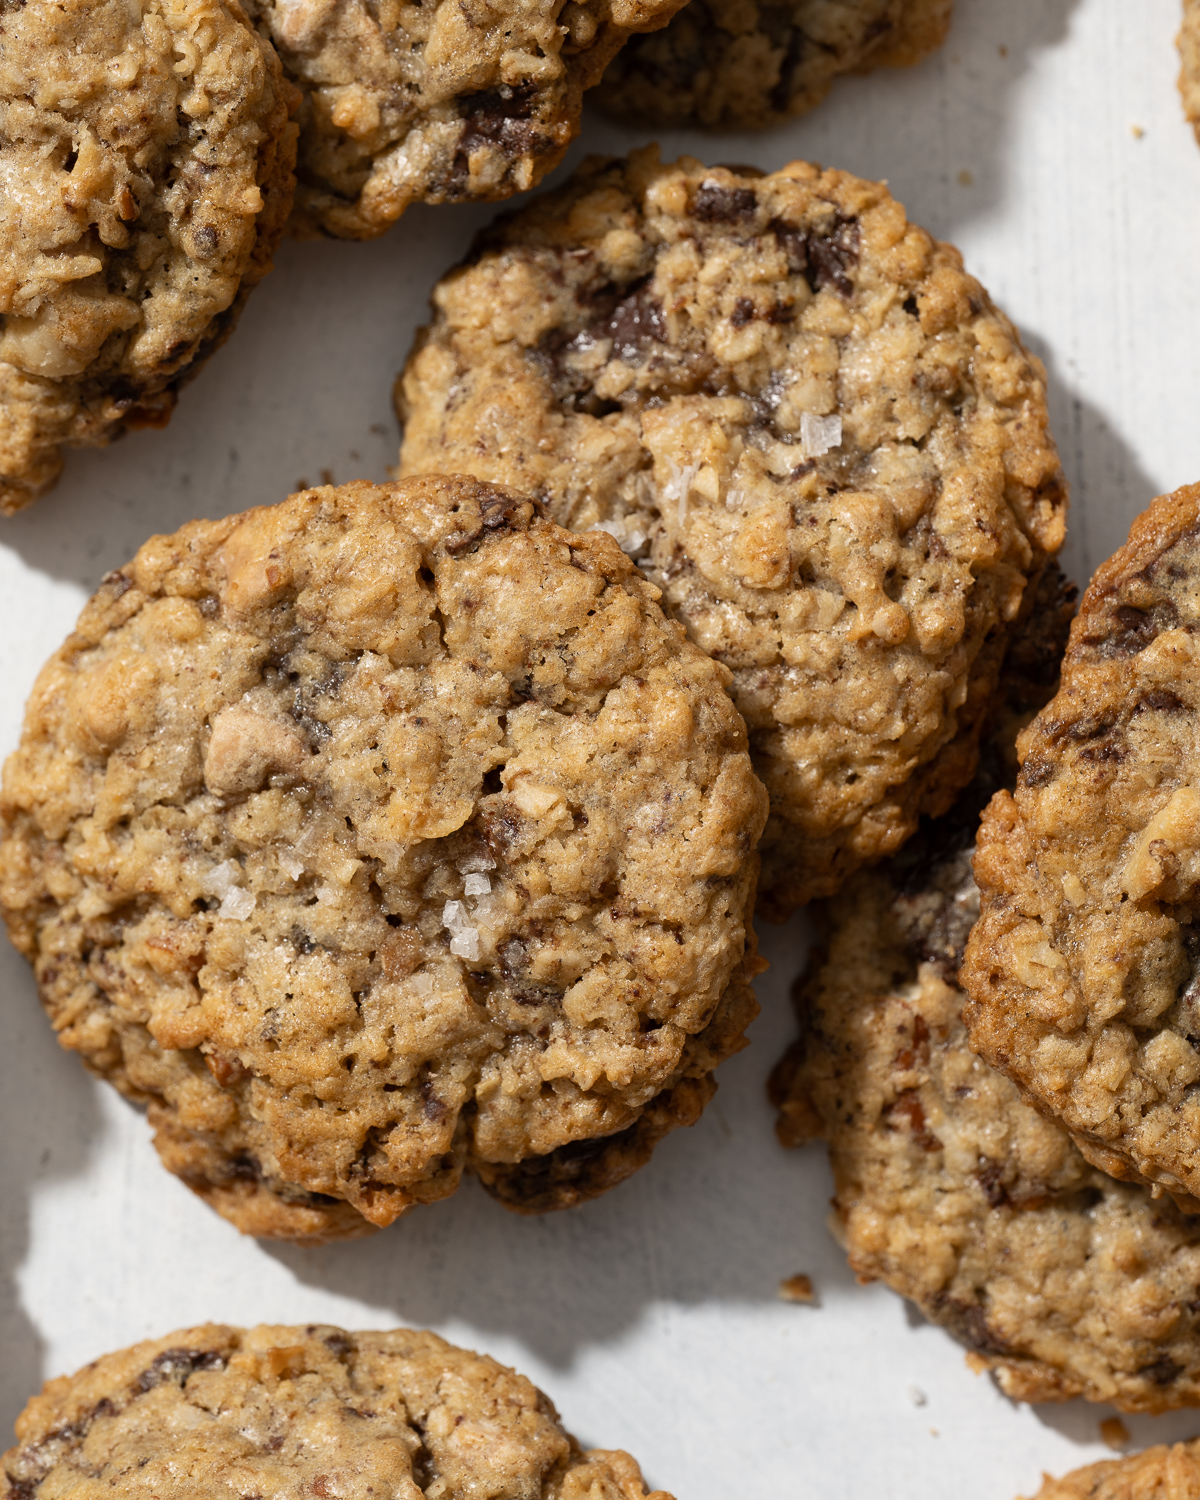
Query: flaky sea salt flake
{"type": "Point", "coordinates": [819, 435]}
{"type": "Point", "coordinates": [465, 943]}
{"type": "Point", "coordinates": [477, 885]}
{"type": "Point", "coordinates": [238, 904]}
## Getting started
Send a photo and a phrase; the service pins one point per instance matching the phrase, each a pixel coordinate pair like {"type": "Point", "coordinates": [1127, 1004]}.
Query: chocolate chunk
{"type": "Point", "coordinates": [743, 312]}
{"type": "Point", "coordinates": [1131, 630]}
{"type": "Point", "coordinates": [1161, 1371]}
{"type": "Point", "coordinates": [715, 204]}
{"type": "Point", "coordinates": [177, 1365]}
{"type": "Point", "coordinates": [637, 320]}
{"type": "Point", "coordinates": [968, 1322]}
{"type": "Point", "coordinates": [832, 256]}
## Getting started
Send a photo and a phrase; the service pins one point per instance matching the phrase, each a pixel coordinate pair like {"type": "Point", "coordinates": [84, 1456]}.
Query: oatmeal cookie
{"type": "Point", "coordinates": [1063, 1280]}
{"type": "Point", "coordinates": [146, 159]}
{"type": "Point", "coordinates": [1082, 971]}
{"type": "Point", "coordinates": [1189, 57]}
{"type": "Point", "coordinates": [1159, 1473]}
{"type": "Point", "coordinates": [811, 428]}
{"type": "Point", "coordinates": [381, 833]}
{"type": "Point", "coordinates": [746, 64]}
{"type": "Point", "coordinates": [446, 102]}
{"type": "Point", "coordinates": [303, 1411]}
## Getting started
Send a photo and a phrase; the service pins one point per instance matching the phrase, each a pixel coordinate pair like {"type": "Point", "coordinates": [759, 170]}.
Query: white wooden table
{"type": "Point", "coordinates": [1047, 141]}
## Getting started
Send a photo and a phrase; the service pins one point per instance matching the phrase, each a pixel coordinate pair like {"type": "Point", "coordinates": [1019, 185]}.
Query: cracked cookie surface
{"type": "Point", "coordinates": [1082, 970]}
{"type": "Point", "coordinates": [146, 168]}
{"type": "Point", "coordinates": [1065, 1281]}
{"type": "Point", "coordinates": [814, 432]}
{"type": "Point", "coordinates": [304, 1411]}
{"type": "Point", "coordinates": [382, 833]}
{"type": "Point", "coordinates": [447, 102]}
{"type": "Point", "coordinates": [1151, 1475]}
{"type": "Point", "coordinates": [733, 65]}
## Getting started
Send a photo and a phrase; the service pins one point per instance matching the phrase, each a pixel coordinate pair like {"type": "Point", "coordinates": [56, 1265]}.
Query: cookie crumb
{"type": "Point", "coordinates": [966, 177]}
{"type": "Point", "coordinates": [917, 1396]}
{"type": "Point", "coordinates": [976, 1363]}
{"type": "Point", "coordinates": [1137, 131]}
{"type": "Point", "coordinates": [1003, 51]}
{"type": "Point", "coordinates": [1115, 1433]}
{"type": "Point", "coordinates": [798, 1289]}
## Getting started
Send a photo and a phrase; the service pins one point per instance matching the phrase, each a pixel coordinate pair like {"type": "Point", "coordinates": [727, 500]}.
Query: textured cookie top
{"type": "Point", "coordinates": [375, 829]}
{"type": "Point", "coordinates": [814, 431]}
{"type": "Point", "coordinates": [1082, 970]}
{"type": "Point", "coordinates": [746, 64]}
{"type": "Point", "coordinates": [303, 1411]}
{"type": "Point", "coordinates": [143, 148]}
{"type": "Point", "coordinates": [1159, 1473]}
{"type": "Point", "coordinates": [440, 102]}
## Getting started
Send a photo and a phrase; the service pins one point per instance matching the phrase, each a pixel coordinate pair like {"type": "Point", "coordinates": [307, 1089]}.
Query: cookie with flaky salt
{"type": "Point", "coordinates": [382, 834]}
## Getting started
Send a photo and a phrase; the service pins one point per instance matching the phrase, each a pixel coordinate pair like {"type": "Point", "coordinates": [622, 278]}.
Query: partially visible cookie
{"type": "Point", "coordinates": [746, 64]}
{"type": "Point", "coordinates": [303, 1411]}
{"type": "Point", "coordinates": [813, 430]}
{"type": "Point", "coordinates": [380, 834]}
{"type": "Point", "coordinates": [1063, 1280]}
{"type": "Point", "coordinates": [146, 158]}
{"type": "Point", "coordinates": [446, 102]}
{"type": "Point", "coordinates": [1159, 1473]}
{"type": "Point", "coordinates": [1082, 971]}
{"type": "Point", "coordinates": [1189, 57]}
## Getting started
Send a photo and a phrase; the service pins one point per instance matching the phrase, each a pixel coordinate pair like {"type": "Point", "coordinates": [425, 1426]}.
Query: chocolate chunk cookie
{"type": "Point", "coordinates": [146, 160]}
{"type": "Point", "coordinates": [1159, 1473]}
{"type": "Point", "coordinates": [1082, 969]}
{"type": "Point", "coordinates": [380, 833]}
{"type": "Point", "coordinates": [960, 1196]}
{"type": "Point", "coordinates": [438, 103]}
{"type": "Point", "coordinates": [1189, 56]}
{"type": "Point", "coordinates": [811, 428]}
{"type": "Point", "coordinates": [746, 64]}
{"type": "Point", "coordinates": [303, 1411]}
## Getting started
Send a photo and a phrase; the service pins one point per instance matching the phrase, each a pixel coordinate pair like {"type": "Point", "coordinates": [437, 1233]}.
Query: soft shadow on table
{"type": "Point", "coordinates": [937, 132]}
{"type": "Point", "coordinates": [1108, 485]}
{"type": "Point", "coordinates": [48, 1120]}
{"type": "Point", "coordinates": [721, 1214]}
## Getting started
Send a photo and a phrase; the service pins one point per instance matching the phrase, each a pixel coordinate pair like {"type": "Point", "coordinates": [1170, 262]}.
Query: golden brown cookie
{"type": "Point", "coordinates": [747, 64]}
{"type": "Point", "coordinates": [303, 1411]}
{"type": "Point", "coordinates": [446, 102]}
{"type": "Point", "coordinates": [1159, 1473]}
{"type": "Point", "coordinates": [1061, 1279]}
{"type": "Point", "coordinates": [1082, 969]}
{"type": "Point", "coordinates": [382, 833]}
{"type": "Point", "coordinates": [810, 427]}
{"type": "Point", "coordinates": [146, 160]}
